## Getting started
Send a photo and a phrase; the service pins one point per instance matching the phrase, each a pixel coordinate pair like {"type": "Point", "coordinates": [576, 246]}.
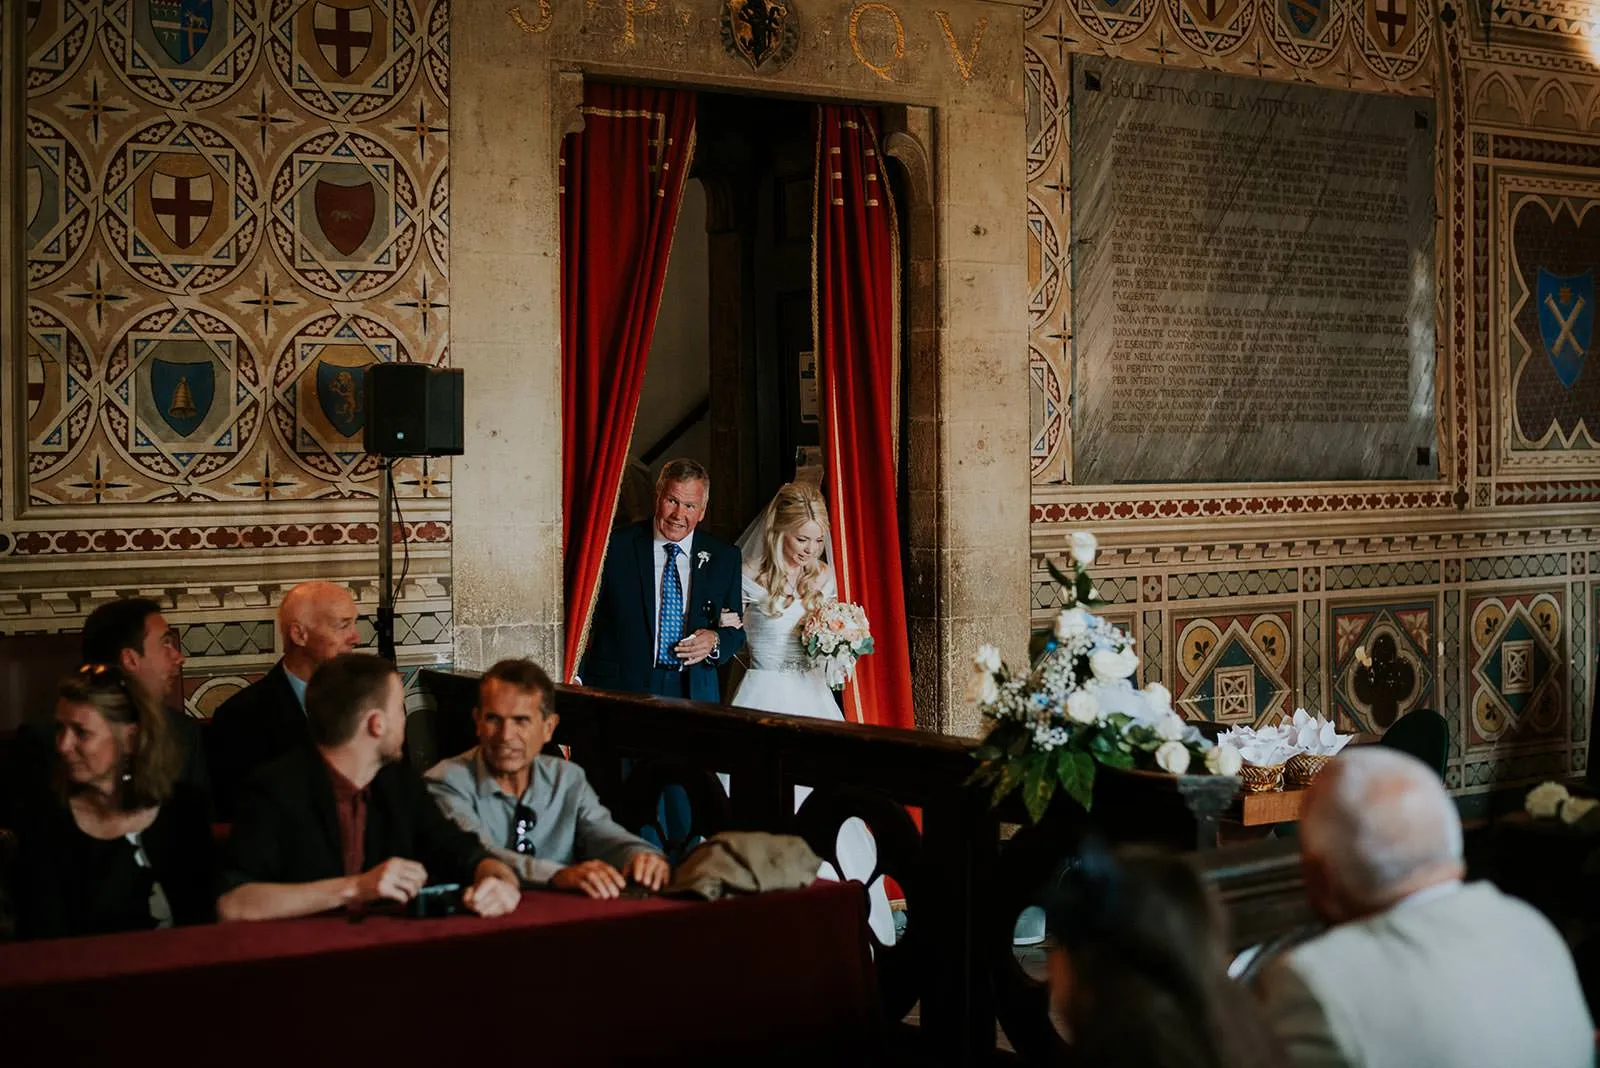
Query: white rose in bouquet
{"type": "Point", "coordinates": [1083, 707]}
{"type": "Point", "coordinates": [1173, 757]}
{"type": "Point", "coordinates": [1170, 727]}
{"type": "Point", "coordinates": [1109, 665]}
{"type": "Point", "coordinates": [1159, 697]}
{"type": "Point", "coordinates": [1574, 809]}
{"type": "Point", "coordinates": [1084, 548]}
{"type": "Point", "coordinates": [1545, 800]}
{"type": "Point", "coordinates": [983, 690]}
{"type": "Point", "coordinates": [1223, 759]}
{"type": "Point", "coordinates": [1071, 623]}
{"type": "Point", "coordinates": [988, 659]}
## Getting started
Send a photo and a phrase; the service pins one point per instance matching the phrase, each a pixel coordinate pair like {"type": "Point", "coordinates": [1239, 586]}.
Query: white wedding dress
{"type": "Point", "coordinates": [781, 679]}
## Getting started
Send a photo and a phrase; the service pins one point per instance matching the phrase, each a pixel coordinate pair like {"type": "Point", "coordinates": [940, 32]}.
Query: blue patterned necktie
{"type": "Point", "coordinates": [671, 629]}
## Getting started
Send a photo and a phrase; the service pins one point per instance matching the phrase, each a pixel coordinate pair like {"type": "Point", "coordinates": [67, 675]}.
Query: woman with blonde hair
{"type": "Point", "coordinates": [786, 577]}
{"type": "Point", "coordinates": [119, 844]}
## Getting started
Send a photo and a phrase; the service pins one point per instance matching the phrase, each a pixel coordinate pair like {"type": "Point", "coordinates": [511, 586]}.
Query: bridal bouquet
{"type": "Point", "coordinates": [834, 637]}
{"type": "Point", "coordinates": [1075, 707]}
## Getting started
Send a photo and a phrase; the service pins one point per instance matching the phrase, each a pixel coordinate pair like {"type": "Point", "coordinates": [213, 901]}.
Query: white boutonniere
{"type": "Point", "coordinates": [701, 557]}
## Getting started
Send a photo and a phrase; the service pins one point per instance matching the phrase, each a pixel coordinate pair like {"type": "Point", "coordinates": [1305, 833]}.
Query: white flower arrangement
{"type": "Point", "coordinates": [1551, 800]}
{"type": "Point", "coordinates": [1076, 707]}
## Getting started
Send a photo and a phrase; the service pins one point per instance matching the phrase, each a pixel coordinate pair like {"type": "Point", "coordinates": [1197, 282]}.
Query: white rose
{"type": "Point", "coordinates": [1084, 547]}
{"type": "Point", "coordinates": [988, 659]}
{"type": "Point", "coordinates": [1223, 759]}
{"type": "Point", "coordinates": [1071, 623]}
{"type": "Point", "coordinates": [1544, 800]}
{"type": "Point", "coordinates": [1574, 809]}
{"type": "Point", "coordinates": [1173, 757]}
{"type": "Point", "coordinates": [1083, 707]}
{"type": "Point", "coordinates": [1108, 666]}
{"type": "Point", "coordinates": [984, 690]}
{"type": "Point", "coordinates": [1170, 727]}
{"type": "Point", "coordinates": [1158, 697]}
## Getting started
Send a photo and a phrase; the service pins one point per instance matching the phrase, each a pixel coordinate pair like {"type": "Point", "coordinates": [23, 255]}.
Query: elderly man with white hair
{"type": "Point", "coordinates": [1418, 970]}
{"type": "Point", "coordinates": [263, 721]}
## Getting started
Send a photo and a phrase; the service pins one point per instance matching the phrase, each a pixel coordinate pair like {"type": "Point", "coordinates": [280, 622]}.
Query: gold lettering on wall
{"type": "Point", "coordinates": [880, 69]}
{"type": "Point", "coordinates": [964, 63]}
{"type": "Point", "coordinates": [545, 18]}
{"type": "Point", "coordinates": [630, 9]}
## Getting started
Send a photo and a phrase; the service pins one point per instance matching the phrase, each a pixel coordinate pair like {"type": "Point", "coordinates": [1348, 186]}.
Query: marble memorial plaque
{"type": "Point", "coordinates": [1253, 280]}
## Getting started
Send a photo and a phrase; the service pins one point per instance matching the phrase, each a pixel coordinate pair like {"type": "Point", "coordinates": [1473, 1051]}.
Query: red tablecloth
{"type": "Point", "coordinates": [757, 980]}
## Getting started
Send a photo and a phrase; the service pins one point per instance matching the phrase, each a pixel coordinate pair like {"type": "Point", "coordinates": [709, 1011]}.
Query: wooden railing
{"type": "Point", "coordinates": [963, 879]}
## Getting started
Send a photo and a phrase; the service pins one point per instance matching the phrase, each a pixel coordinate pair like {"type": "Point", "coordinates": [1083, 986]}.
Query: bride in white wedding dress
{"type": "Point", "coordinates": [786, 575]}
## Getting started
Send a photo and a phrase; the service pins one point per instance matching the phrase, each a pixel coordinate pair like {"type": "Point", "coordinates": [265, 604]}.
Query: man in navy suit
{"type": "Point", "coordinates": [663, 591]}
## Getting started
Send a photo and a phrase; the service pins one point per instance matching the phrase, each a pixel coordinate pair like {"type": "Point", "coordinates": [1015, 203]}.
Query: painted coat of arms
{"type": "Point", "coordinates": [760, 32]}
{"type": "Point", "coordinates": [1566, 321]}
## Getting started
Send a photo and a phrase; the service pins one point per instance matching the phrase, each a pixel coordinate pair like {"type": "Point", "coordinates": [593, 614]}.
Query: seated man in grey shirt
{"type": "Point", "coordinates": [537, 813]}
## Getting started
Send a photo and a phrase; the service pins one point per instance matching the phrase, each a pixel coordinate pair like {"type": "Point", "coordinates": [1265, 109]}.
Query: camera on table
{"type": "Point", "coordinates": [431, 902]}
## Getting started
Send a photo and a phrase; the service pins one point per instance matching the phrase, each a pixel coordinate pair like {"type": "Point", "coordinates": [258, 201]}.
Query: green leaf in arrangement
{"type": "Point", "coordinates": [1075, 769]}
{"type": "Point", "coordinates": [1106, 750]}
{"type": "Point", "coordinates": [1085, 590]}
{"type": "Point", "coordinates": [983, 774]}
{"type": "Point", "coordinates": [1062, 579]}
{"type": "Point", "coordinates": [1038, 785]}
{"type": "Point", "coordinates": [1009, 779]}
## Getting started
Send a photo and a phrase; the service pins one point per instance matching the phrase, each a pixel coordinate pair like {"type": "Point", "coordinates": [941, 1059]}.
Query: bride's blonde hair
{"type": "Point", "coordinates": [796, 504]}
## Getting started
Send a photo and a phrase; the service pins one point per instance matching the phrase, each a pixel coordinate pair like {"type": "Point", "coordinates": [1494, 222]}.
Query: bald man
{"type": "Point", "coordinates": [265, 720]}
{"type": "Point", "coordinates": [1418, 970]}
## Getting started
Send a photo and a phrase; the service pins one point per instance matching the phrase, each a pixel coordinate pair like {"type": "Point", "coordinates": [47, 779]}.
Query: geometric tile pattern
{"type": "Point", "coordinates": [1544, 565]}
{"type": "Point", "coordinates": [1519, 668]}
{"type": "Point", "coordinates": [1232, 584]}
{"type": "Point", "coordinates": [1237, 669]}
{"type": "Point", "coordinates": [209, 185]}
{"type": "Point", "coordinates": [1398, 640]}
{"type": "Point", "coordinates": [1382, 575]}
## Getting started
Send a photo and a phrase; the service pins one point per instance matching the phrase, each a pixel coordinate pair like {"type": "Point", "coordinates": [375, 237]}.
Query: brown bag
{"type": "Point", "coordinates": [744, 862]}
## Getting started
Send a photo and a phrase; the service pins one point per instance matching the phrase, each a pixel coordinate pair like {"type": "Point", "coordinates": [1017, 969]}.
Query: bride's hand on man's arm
{"type": "Point", "coordinates": [731, 619]}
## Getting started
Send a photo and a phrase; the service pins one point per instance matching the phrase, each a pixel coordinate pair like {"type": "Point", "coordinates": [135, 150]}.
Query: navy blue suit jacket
{"type": "Point", "coordinates": [621, 649]}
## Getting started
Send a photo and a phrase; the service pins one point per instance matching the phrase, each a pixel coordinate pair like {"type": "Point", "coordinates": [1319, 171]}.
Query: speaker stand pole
{"type": "Point", "coordinates": [385, 625]}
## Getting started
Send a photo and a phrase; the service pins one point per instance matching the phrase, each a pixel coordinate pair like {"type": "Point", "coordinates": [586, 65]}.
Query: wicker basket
{"type": "Point", "coordinates": [1303, 768]}
{"type": "Point", "coordinates": [1261, 778]}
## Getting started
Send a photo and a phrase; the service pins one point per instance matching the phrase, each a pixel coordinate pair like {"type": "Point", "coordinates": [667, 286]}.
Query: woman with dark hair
{"type": "Point", "coordinates": [119, 844]}
{"type": "Point", "coordinates": [1138, 970]}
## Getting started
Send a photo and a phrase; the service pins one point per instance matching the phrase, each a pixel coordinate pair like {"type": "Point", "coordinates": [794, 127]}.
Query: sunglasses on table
{"type": "Point", "coordinates": [523, 821]}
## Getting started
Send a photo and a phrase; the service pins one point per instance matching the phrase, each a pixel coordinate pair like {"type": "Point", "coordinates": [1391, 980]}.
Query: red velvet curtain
{"type": "Point", "coordinates": [857, 288]}
{"type": "Point", "coordinates": [621, 185]}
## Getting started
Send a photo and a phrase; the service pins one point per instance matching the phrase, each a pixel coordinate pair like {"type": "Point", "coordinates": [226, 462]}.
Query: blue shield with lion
{"type": "Point", "coordinates": [1566, 320]}
{"type": "Point", "coordinates": [341, 396]}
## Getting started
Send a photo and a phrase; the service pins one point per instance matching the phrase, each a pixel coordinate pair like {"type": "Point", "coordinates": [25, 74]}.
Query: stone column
{"type": "Point", "coordinates": [505, 261]}
{"type": "Point", "coordinates": [983, 493]}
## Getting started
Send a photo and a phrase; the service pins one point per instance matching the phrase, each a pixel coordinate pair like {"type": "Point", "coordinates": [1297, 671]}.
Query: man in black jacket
{"type": "Point", "coordinates": [664, 590]}
{"type": "Point", "coordinates": [265, 720]}
{"type": "Point", "coordinates": [346, 822]}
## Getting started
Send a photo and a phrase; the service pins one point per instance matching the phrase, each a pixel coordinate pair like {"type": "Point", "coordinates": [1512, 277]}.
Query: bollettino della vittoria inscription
{"type": "Point", "coordinates": [1253, 280]}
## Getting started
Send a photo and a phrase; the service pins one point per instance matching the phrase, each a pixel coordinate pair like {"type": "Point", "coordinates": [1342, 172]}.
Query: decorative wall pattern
{"type": "Point", "coordinates": [230, 208]}
{"type": "Point", "coordinates": [1461, 598]}
{"type": "Point", "coordinates": [245, 174]}
{"type": "Point", "coordinates": [1378, 45]}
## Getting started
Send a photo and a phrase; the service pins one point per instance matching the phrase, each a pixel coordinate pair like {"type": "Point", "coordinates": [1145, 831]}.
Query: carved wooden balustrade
{"type": "Point", "coordinates": [963, 880]}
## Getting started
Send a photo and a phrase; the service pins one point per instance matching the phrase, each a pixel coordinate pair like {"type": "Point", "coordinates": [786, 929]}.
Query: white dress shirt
{"type": "Point", "coordinates": [658, 558]}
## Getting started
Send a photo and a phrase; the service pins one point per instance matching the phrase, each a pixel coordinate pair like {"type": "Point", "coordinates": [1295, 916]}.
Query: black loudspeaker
{"type": "Point", "coordinates": [412, 410]}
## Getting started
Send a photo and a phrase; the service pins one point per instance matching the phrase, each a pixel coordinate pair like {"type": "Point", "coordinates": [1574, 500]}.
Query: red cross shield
{"type": "Point", "coordinates": [182, 204]}
{"type": "Point", "coordinates": [343, 36]}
